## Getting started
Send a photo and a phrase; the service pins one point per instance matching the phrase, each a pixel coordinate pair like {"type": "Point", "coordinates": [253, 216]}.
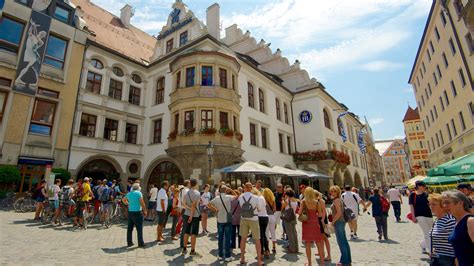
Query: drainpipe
{"type": "Point", "coordinates": [293, 124]}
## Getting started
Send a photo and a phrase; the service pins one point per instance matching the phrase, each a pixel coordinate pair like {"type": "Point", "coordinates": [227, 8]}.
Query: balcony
{"type": "Point", "coordinates": [209, 92]}
{"type": "Point", "coordinates": [196, 138]}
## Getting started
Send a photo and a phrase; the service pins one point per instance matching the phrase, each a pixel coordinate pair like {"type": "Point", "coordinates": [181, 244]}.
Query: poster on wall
{"type": "Point", "coordinates": [32, 53]}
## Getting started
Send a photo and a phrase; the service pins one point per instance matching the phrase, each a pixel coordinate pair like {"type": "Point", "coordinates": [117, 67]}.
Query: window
{"type": "Point", "coordinates": [443, 18]}
{"type": "Point", "coordinates": [461, 77]}
{"type": "Point", "coordinates": [285, 113]}
{"type": "Point", "coordinates": [451, 45]}
{"type": "Point", "coordinates": [437, 139]}
{"type": "Point", "coordinates": [339, 128]}
{"type": "Point", "coordinates": [418, 81]}
{"type": "Point", "coordinates": [445, 60]}
{"type": "Point", "coordinates": [426, 93]}
{"type": "Point", "coordinates": [435, 79]}
{"type": "Point", "coordinates": [264, 138]}
{"type": "Point", "coordinates": [134, 95]}
{"type": "Point", "coordinates": [190, 76]}
{"type": "Point", "coordinates": [432, 143]}
{"type": "Point", "coordinates": [441, 137]}
{"type": "Point", "coordinates": [428, 121]}
{"type": "Point", "coordinates": [441, 103]}
{"type": "Point", "coordinates": [234, 121]}
{"type": "Point", "coordinates": [458, 6]}
{"type": "Point", "coordinates": [435, 111]}
{"type": "Point", "coordinates": [437, 34]}
{"type": "Point", "coordinates": [453, 126]}
{"type": "Point", "coordinates": [176, 122]}
{"type": "Point", "coordinates": [288, 144]}
{"type": "Point", "coordinates": [251, 97]}
{"type": "Point", "coordinates": [280, 142]}
{"type": "Point", "coordinates": [110, 129]}
{"type": "Point", "coordinates": [449, 132]}
{"type": "Point", "coordinates": [131, 133]}
{"type": "Point", "coordinates": [327, 121]}
{"type": "Point", "coordinates": [11, 32]}
{"type": "Point", "coordinates": [3, 101]}
{"type": "Point", "coordinates": [188, 120]}
{"type": "Point", "coordinates": [206, 118]}
{"type": "Point", "coordinates": [117, 71]}
{"type": "Point", "coordinates": [278, 111]}
{"type": "Point", "coordinates": [47, 93]}
{"type": "Point", "coordinates": [253, 136]}
{"type": "Point", "coordinates": [93, 82]}
{"type": "Point", "coordinates": [136, 78]}
{"type": "Point", "coordinates": [160, 91]}
{"type": "Point", "coordinates": [115, 89]}
{"type": "Point", "coordinates": [428, 55]}
{"type": "Point", "coordinates": [419, 105]}
{"type": "Point", "coordinates": [183, 38]}
{"type": "Point", "coordinates": [55, 52]}
{"type": "Point", "coordinates": [87, 127]}
{"type": "Point", "coordinates": [233, 82]}
{"type": "Point", "coordinates": [432, 116]}
{"type": "Point", "coordinates": [178, 79]}
{"type": "Point", "coordinates": [424, 68]}
{"type": "Point", "coordinates": [223, 77]}
{"type": "Point", "coordinates": [62, 14]}
{"type": "Point", "coordinates": [470, 106]}
{"type": "Point", "coordinates": [446, 98]}
{"type": "Point", "coordinates": [224, 119]}
{"type": "Point", "coordinates": [169, 45]}
{"type": "Point", "coordinates": [206, 76]}
{"type": "Point", "coordinates": [97, 64]}
{"type": "Point", "coordinates": [423, 100]}
{"type": "Point", "coordinates": [470, 42]}
{"type": "Point", "coordinates": [157, 131]}
{"type": "Point", "coordinates": [461, 121]}
{"type": "Point", "coordinates": [261, 101]}
{"type": "Point", "coordinates": [432, 47]}
{"type": "Point", "coordinates": [429, 88]}
{"type": "Point", "coordinates": [439, 72]}
{"type": "Point", "coordinates": [43, 117]}
{"type": "Point", "coordinates": [453, 89]}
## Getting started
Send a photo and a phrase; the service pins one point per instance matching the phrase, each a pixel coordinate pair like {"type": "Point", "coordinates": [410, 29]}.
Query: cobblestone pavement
{"type": "Point", "coordinates": [24, 241]}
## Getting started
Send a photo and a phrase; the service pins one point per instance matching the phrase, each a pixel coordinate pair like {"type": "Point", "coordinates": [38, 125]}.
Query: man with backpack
{"type": "Point", "coordinates": [249, 205]}
{"type": "Point", "coordinates": [53, 196]}
{"type": "Point", "coordinates": [104, 197]}
{"type": "Point", "coordinates": [352, 201]}
{"type": "Point", "coordinates": [379, 212]}
{"type": "Point", "coordinates": [82, 195]}
{"type": "Point", "coordinates": [65, 197]}
{"type": "Point", "coordinates": [192, 217]}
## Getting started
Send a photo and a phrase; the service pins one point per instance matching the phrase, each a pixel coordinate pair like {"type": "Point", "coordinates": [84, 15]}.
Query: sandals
{"type": "Point", "coordinates": [327, 259]}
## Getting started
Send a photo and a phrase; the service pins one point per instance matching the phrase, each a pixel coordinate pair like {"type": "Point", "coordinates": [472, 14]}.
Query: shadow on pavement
{"type": "Point", "coordinates": [291, 257]}
{"type": "Point", "coordinates": [29, 221]}
{"type": "Point", "coordinates": [117, 250]}
{"type": "Point", "coordinates": [172, 252]}
{"type": "Point", "coordinates": [390, 241]}
{"type": "Point", "coordinates": [180, 260]}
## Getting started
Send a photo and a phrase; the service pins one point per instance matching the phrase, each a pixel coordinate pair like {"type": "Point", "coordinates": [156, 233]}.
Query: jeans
{"type": "Point", "coordinates": [396, 209]}
{"type": "Point", "coordinates": [135, 219]}
{"type": "Point", "coordinates": [235, 232]}
{"type": "Point", "coordinates": [263, 223]}
{"type": "Point", "coordinates": [173, 226]}
{"type": "Point", "coordinates": [425, 223]}
{"type": "Point", "coordinates": [381, 222]}
{"type": "Point", "coordinates": [224, 239]}
{"type": "Point", "coordinates": [339, 228]}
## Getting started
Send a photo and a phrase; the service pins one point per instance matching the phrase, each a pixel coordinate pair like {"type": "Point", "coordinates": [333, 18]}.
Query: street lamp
{"type": "Point", "coordinates": [210, 152]}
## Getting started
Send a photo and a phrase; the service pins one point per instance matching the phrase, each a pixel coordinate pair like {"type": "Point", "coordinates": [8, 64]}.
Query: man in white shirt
{"type": "Point", "coordinates": [161, 205]}
{"type": "Point", "coordinates": [249, 223]}
{"type": "Point", "coordinates": [352, 201]}
{"type": "Point", "coordinates": [396, 199]}
{"type": "Point", "coordinates": [153, 194]}
{"type": "Point", "coordinates": [182, 206]}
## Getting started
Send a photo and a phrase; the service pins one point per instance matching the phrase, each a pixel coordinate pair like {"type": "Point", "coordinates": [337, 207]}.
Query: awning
{"type": "Point", "coordinates": [288, 172]}
{"type": "Point", "coordinates": [315, 174]}
{"type": "Point", "coordinates": [35, 160]}
{"type": "Point", "coordinates": [247, 167]}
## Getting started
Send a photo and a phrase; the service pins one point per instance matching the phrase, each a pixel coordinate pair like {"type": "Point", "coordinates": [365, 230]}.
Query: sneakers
{"type": "Point", "coordinates": [229, 259]}
{"type": "Point", "coordinates": [380, 237]}
{"type": "Point", "coordinates": [183, 252]}
{"type": "Point", "coordinates": [355, 236]}
{"type": "Point", "coordinates": [194, 254]}
{"type": "Point", "coordinates": [221, 258]}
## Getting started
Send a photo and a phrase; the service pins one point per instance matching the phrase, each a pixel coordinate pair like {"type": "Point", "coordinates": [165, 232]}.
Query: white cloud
{"type": "Point", "coordinates": [376, 121]}
{"type": "Point", "coordinates": [381, 65]}
{"type": "Point", "coordinates": [408, 90]}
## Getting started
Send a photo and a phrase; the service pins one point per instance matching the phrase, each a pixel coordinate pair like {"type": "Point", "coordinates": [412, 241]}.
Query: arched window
{"type": "Point", "coordinates": [136, 78]}
{"type": "Point", "coordinates": [261, 101]}
{"type": "Point", "coordinates": [117, 71]}
{"type": "Point", "coordinates": [327, 121]}
{"type": "Point", "coordinates": [97, 63]}
{"type": "Point", "coordinates": [251, 97]}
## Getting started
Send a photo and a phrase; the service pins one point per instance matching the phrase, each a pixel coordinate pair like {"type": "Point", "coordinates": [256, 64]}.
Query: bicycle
{"type": "Point", "coordinates": [117, 211]}
{"type": "Point", "coordinates": [88, 214]}
{"type": "Point", "coordinates": [48, 213]}
{"type": "Point", "coordinates": [66, 211]}
{"type": "Point", "coordinates": [8, 201]}
{"type": "Point", "coordinates": [25, 203]}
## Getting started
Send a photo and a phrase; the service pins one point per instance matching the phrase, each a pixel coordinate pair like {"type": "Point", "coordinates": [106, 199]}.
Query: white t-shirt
{"type": "Point", "coordinates": [262, 204]}
{"type": "Point", "coordinates": [350, 201]}
{"type": "Point", "coordinates": [205, 198]}
{"type": "Point", "coordinates": [183, 192]}
{"type": "Point", "coordinates": [254, 201]}
{"type": "Point", "coordinates": [162, 196]}
{"type": "Point", "coordinates": [393, 194]}
{"type": "Point", "coordinates": [153, 194]}
{"type": "Point", "coordinates": [221, 211]}
{"type": "Point", "coordinates": [55, 189]}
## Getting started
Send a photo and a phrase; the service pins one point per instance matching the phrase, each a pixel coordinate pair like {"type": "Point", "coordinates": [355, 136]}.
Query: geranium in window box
{"type": "Point", "coordinates": [188, 132]}
{"type": "Point", "coordinates": [208, 131]}
{"type": "Point", "coordinates": [172, 135]}
{"type": "Point", "coordinates": [239, 136]}
{"type": "Point", "coordinates": [226, 132]}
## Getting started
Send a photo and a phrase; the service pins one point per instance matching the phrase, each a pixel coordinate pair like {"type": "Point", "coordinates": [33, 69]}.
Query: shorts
{"type": "Point", "coordinates": [161, 218]}
{"type": "Point", "coordinates": [152, 205]}
{"type": "Point", "coordinates": [105, 206]}
{"type": "Point", "coordinates": [97, 204]}
{"type": "Point", "coordinates": [80, 205]}
{"type": "Point", "coordinates": [54, 204]}
{"type": "Point", "coordinates": [247, 226]}
{"type": "Point", "coordinates": [191, 228]}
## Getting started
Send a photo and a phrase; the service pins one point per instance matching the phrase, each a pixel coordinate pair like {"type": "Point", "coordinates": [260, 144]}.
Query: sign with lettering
{"type": "Point", "coordinates": [305, 117]}
{"type": "Point", "coordinates": [28, 71]}
{"type": "Point", "coordinates": [175, 28]}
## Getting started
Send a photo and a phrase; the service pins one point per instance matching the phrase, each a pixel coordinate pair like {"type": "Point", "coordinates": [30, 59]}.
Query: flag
{"type": "Point", "coordinates": [341, 126]}
{"type": "Point", "coordinates": [360, 141]}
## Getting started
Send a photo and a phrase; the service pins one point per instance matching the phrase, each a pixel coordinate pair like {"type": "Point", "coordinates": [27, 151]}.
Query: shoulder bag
{"type": "Point", "coordinates": [303, 217]}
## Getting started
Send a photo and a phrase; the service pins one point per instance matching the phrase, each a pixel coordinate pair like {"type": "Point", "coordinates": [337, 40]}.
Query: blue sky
{"type": "Point", "coordinates": [362, 51]}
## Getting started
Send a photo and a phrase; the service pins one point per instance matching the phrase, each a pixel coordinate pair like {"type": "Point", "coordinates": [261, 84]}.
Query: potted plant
{"type": "Point", "coordinates": [172, 135]}
{"type": "Point", "coordinates": [207, 131]}
{"type": "Point", "coordinates": [187, 132]}
{"type": "Point", "coordinates": [226, 132]}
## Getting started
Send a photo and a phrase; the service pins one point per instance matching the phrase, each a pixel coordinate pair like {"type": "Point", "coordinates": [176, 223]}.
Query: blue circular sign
{"type": "Point", "coordinates": [305, 116]}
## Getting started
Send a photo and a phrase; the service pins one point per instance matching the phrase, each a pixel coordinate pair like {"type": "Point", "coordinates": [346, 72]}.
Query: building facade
{"type": "Point", "coordinates": [41, 52]}
{"type": "Point", "coordinates": [375, 170]}
{"type": "Point", "coordinates": [395, 161]}
{"type": "Point", "coordinates": [442, 81]}
{"type": "Point", "coordinates": [416, 146]}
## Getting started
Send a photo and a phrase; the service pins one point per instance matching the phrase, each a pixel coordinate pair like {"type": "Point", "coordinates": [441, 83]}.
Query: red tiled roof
{"type": "Point", "coordinates": [411, 114]}
{"type": "Point", "coordinates": [111, 33]}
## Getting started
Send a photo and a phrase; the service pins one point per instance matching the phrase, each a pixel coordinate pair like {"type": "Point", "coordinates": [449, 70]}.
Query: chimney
{"type": "Point", "coordinates": [213, 21]}
{"type": "Point", "coordinates": [125, 14]}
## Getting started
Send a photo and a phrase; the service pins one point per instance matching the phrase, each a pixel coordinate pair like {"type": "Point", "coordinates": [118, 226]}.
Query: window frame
{"type": "Point", "coordinates": [131, 136]}
{"type": "Point", "coordinates": [189, 123]}
{"type": "Point", "coordinates": [264, 137]}
{"type": "Point", "coordinates": [169, 45]}
{"type": "Point", "coordinates": [223, 78]}
{"type": "Point", "coordinates": [461, 77]}
{"type": "Point", "coordinates": [285, 113]}
{"type": "Point", "coordinates": [327, 119]}
{"type": "Point", "coordinates": [12, 47]}
{"type": "Point", "coordinates": [224, 119]}
{"type": "Point", "coordinates": [278, 109]}
{"type": "Point", "coordinates": [206, 76]}
{"type": "Point", "coordinates": [109, 129]}
{"type": "Point", "coordinates": [5, 99]}
{"type": "Point", "coordinates": [250, 95]}
{"type": "Point", "coordinates": [96, 62]}
{"type": "Point", "coordinates": [118, 71]}
{"type": "Point", "coordinates": [86, 127]}
{"type": "Point", "coordinates": [261, 100]}
{"type": "Point", "coordinates": [52, 58]}
{"type": "Point", "coordinates": [157, 130]}
{"type": "Point", "coordinates": [183, 38]}
{"type": "Point", "coordinates": [207, 118]}
{"type": "Point", "coordinates": [115, 92]}
{"type": "Point", "coordinates": [253, 134]}
{"type": "Point", "coordinates": [43, 124]}
{"type": "Point", "coordinates": [190, 76]}
{"type": "Point", "coordinates": [133, 97]}
{"type": "Point", "coordinates": [160, 91]}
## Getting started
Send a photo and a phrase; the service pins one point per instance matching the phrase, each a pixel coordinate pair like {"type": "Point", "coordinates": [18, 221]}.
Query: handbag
{"type": "Point", "coordinates": [410, 215]}
{"type": "Point", "coordinates": [303, 217]}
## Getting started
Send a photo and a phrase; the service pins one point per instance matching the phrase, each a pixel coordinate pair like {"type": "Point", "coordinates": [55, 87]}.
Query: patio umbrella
{"type": "Point", "coordinates": [440, 169]}
{"type": "Point", "coordinates": [463, 166]}
{"type": "Point", "coordinates": [411, 183]}
{"type": "Point", "coordinates": [442, 180]}
{"type": "Point", "coordinates": [288, 172]}
{"type": "Point", "coordinates": [247, 167]}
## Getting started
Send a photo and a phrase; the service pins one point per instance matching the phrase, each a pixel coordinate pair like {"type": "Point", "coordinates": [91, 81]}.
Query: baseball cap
{"type": "Point", "coordinates": [464, 185]}
{"type": "Point", "coordinates": [420, 183]}
{"type": "Point", "coordinates": [86, 179]}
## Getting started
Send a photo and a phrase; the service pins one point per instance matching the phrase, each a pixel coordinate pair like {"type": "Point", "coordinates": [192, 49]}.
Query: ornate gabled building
{"type": "Point", "coordinates": [375, 170]}
{"type": "Point", "coordinates": [395, 162]}
{"type": "Point", "coordinates": [416, 149]}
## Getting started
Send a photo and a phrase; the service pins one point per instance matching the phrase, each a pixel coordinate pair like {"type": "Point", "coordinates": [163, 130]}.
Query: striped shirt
{"type": "Point", "coordinates": [440, 232]}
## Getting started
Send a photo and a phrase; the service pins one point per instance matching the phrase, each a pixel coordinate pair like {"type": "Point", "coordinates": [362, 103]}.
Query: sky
{"type": "Point", "coordinates": [361, 51]}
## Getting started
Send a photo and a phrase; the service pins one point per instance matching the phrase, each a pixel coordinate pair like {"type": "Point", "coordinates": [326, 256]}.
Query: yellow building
{"type": "Point", "coordinates": [41, 51]}
{"type": "Point", "coordinates": [395, 161]}
{"type": "Point", "coordinates": [442, 81]}
{"type": "Point", "coordinates": [415, 140]}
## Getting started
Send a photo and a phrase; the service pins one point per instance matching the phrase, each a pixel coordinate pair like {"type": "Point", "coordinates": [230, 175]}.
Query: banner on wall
{"type": "Point", "coordinates": [29, 66]}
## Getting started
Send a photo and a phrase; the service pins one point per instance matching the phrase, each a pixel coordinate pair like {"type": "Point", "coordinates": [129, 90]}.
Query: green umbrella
{"type": "Point", "coordinates": [441, 180]}
{"type": "Point", "coordinates": [440, 169]}
{"type": "Point", "coordinates": [464, 166]}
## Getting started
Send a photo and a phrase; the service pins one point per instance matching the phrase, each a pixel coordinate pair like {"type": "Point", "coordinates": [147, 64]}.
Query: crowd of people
{"type": "Point", "coordinates": [254, 211]}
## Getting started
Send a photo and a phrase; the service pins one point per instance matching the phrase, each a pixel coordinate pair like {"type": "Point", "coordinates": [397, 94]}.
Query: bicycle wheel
{"type": "Point", "coordinates": [18, 203]}
{"type": "Point", "coordinates": [24, 206]}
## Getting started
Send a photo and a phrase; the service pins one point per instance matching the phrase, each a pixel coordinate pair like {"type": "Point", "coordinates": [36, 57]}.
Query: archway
{"type": "Point", "coordinates": [358, 180]}
{"type": "Point", "coordinates": [338, 179]}
{"type": "Point", "coordinates": [165, 170]}
{"type": "Point", "coordinates": [98, 169]}
{"type": "Point", "coordinates": [348, 178]}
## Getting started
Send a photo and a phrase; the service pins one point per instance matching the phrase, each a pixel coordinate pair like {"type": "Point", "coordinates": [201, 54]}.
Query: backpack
{"type": "Point", "coordinates": [385, 204]}
{"type": "Point", "coordinates": [105, 196]}
{"type": "Point", "coordinates": [247, 209]}
{"type": "Point", "coordinates": [65, 194]}
{"type": "Point", "coordinates": [269, 209]}
{"type": "Point", "coordinates": [348, 214]}
{"type": "Point", "coordinates": [79, 191]}
{"type": "Point", "coordinates": [288, 215]}
{"type": "Point", "coordinates": [50, 192]}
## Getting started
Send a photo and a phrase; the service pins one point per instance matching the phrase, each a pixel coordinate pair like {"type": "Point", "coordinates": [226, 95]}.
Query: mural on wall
{"type": "Point", "coordinates": [32, 53]}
